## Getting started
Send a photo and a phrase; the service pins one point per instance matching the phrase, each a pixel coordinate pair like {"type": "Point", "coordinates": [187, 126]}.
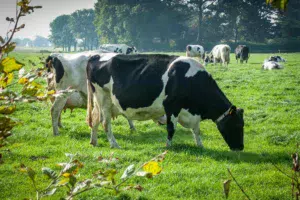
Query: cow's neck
{"type": "Point", "coordinates": [218, 106]}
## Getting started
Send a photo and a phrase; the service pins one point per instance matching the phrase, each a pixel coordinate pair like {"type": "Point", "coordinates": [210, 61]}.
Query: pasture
{"type": "Point", "coordinates": [271, 100]}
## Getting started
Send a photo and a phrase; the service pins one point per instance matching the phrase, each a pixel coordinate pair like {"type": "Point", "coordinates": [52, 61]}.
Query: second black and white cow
{"type": "Point", "coordinates": [119, 48]}
{"type": "Point", "coordinates": [69, 71]}
{"type": "Point", "coordinates": [276, 59]}
{"type": "Point", "coordinates": [242, 52]}
{"type": "Point", "coordinates": [144, 87]}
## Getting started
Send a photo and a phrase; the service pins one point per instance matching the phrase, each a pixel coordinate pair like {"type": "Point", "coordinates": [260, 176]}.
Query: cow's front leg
{"type": "Point", "coordinates": [171, 127]}
{"type": "Point", "coordinates": [57, 107]}
{"type": "Point", "coordinates": [131, 125]}
{"type": "Point", "coordinates": [196, 133]}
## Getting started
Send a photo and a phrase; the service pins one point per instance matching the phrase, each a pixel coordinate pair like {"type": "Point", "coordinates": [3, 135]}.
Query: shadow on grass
{"type": "Point", "coordinates": [233, 156]}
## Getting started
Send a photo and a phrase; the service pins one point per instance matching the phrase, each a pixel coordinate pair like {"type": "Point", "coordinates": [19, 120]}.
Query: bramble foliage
{"type": "Point", "coordinates": [103, 179]}
{"type": "Point", "coordinates": [280, 4]}
{"type": "Point", "coordinates": [32, 90]}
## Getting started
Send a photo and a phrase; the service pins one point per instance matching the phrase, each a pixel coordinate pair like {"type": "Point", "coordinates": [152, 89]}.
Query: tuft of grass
{"type": "Point", "coordinates": [271, 101]}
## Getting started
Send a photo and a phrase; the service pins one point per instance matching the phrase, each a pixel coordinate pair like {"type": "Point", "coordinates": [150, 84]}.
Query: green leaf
{"type": "Point", "coordinates": [10, 47]}
{"type": "Point", "coordinates": [8, 65]}
{"type": "Point", "coordinates": [128, 172]}
{"type": "Point", "coordinates": [226, 187]}
{"type": "Point", "coordinates": [31, 173]}
{"type": "Point", "coordinates": [2, 40]}
{"type": "Point", "coordinates": [50, 192]}
{"type": "Point", "coordinates": [63, 181]}
{"type": "Point", "coordinates": [49, 173]}
{"type": "Point", "coordinates": [72, 180]}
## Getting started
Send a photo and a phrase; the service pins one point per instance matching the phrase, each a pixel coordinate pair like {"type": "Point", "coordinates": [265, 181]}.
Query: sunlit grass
{"type": "Point", "coordinates": [271, 101]}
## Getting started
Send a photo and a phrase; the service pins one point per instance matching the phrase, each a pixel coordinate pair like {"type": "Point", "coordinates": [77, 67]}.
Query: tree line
{"type": "Point", "coordinates": [69, 30]}
{"type": "Point", "coordinates": [172, 24]}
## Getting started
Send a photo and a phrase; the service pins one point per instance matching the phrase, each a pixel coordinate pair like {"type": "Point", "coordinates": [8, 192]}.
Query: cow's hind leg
{"type": "Point", "coordinates": [57, 107]}
{"type": "Point", "coordinates": [196, 133]}
{"type": "Point", "coordinates": [96, 120]}
{"type": "Point", "coordinates": [107, 105]}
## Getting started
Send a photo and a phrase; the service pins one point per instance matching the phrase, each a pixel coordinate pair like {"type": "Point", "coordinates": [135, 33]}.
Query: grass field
{"type": "Point", "coordinates": [271, 100]}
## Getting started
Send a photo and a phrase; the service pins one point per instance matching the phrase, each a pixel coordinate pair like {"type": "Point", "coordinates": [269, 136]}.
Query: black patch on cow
{"type": "Point", "coordinates": [189, 48]}
{"type": "Point", "coordinates": [199, 94]}
{"type": "Point", "coordinates": [137, 78]}
{"type": "Point", "coordinates": [129, 50]}
{"type": "Point", "coordinates": [46, 64]}
{"type": "Point", "coordinates": [59, 69]}
{"type": "Point", "coordinates": [198, 48]}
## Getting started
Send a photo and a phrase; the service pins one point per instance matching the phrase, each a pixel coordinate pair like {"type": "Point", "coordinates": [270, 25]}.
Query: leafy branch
{"type": "Point", "coordinates": [105, 178]}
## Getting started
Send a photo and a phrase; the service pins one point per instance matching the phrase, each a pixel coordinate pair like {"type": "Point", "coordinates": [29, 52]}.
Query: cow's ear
{"type": "Point", "coordinates": [241, 110]}
{"type": "Point", "coordinates": [232, 110]}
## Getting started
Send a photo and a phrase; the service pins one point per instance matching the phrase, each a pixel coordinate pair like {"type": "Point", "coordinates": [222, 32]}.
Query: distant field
{"type": "Point", "coordinates": [271, 100]}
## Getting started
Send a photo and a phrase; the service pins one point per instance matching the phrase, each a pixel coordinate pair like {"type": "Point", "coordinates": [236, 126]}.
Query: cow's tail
{"type": "Point", "coordinates": [89, 103]}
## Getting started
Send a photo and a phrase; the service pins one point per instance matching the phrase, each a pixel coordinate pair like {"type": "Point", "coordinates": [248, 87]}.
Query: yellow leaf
{"type": "Point", "coordinates": [152, 167]}
{"type": "Point", "coordinates": [51, 92]}
{"type": "Point", "coordinates": [8, 65]}
{"type": "Point", "coordinates": [6, 79]}
{"type": "Point", "coordinates": [23, 80]}
{"type": "Point", "coordinates": [63, 181]}
{"type": "Point", "coordinates": [67, 175]}
{"type": "Point", "coordinates": [6, 110]}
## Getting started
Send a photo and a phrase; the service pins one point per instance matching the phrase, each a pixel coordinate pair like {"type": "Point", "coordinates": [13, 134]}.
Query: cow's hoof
{"type": "Point", "coordinates": [169, 143]}
{"type": "Point", "coordinates": [115, 146]}
{"type": "Point", "coordinates": [132, 130]}
{"type": "Point", "coordinates": [94, 143]}
{"type": "Point", "coordinates": [55, 134]}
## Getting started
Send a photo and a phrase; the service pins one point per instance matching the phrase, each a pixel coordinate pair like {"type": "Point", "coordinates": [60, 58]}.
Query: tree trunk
{"type": "Point", "coordinates": [200, 15]}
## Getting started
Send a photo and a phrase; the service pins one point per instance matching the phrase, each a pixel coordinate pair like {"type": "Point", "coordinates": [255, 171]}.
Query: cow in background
{"type": "Point", "coordinates": [276, 59]}
{"type": "Point", "coordinates": [119, 48]}
{"type": "Point", "coordinates": [195, 51]}
{"type": "Point", "coordinates": [144, 87]}
{"type": "Point", "coordinates": [270, 65]}
{"type": "Point", "coordinates": [242, 52]}
{"type": "Point", "coordinates": [219, 54]}
{"type": "Point", "coordinates": [68, 71]}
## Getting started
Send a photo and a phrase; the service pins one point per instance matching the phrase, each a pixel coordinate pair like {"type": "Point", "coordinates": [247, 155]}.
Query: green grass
{"type": "Point", "coordinates": [271, 101]}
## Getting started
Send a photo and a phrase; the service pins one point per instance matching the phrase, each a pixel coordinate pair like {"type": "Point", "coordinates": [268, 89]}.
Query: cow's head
{"type": "Point", "coordinates": [208, 58]}
{"type": "Point", "coordinates": [48, 63]}
{"type": "Point", "coordinates": [131, 50]}
{"type": "Point", "coordinates": [231, 127]}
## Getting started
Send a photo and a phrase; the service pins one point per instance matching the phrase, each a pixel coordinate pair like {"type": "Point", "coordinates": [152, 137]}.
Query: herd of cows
{"type": "Point", "coordinates": [115, 80]}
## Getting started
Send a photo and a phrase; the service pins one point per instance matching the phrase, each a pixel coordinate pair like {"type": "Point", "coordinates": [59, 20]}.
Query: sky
{"type": "Point", "coordinates": [38, 22]}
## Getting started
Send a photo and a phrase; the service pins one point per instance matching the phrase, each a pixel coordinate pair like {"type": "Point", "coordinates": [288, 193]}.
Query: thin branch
{"type": "Point", "coordinates": [238, 184]}
{"type": "Point", "coordinates": [283, 172]}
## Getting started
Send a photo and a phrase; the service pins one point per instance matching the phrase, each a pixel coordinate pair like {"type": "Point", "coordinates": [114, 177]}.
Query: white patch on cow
{"type": "Point", "coordinates": [196, 51]}
{"type": "Point", "coordinates": [195, 66]}
{"type": "Point", "coordinates": [118, 48]}
{"type": "Point", "coordinates": [107, 56]}
{"type": "Point", "coordinates": [270, 65]}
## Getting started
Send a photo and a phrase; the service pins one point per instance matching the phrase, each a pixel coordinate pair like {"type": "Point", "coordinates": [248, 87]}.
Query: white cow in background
{"type": "Point", "coordinates": [270, 65]}
{"type": "Point", "coordinates": [219, 54]}
{"type": "Point", "coordinates": [68, 71]}
{"type": "Point", "coordinates": [195, 51]}
{"type": "Point", "coordinates": [119, 48]}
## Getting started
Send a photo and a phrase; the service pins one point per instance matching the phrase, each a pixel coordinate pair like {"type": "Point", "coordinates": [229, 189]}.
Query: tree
{"type": "Point", "coordinates": [61, 32]}
{"type": "Point", "coordinates": [81, 23]}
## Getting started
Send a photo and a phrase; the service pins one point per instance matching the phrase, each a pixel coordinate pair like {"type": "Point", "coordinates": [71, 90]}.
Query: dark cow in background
{"type": "Point", "coordinates": [242, 52]}
{"type": "Point", "coordinates": [69, 71]}
{"type": "Point", "coordinates": [144, 87]}
{"type": "Point", "coordinates": [119, 48]}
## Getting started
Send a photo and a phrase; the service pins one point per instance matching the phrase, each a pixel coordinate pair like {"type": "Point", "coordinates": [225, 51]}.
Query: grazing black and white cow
{"type": "Point", "coordinates": [242, 52]}
{"type": "Point", "coordinates": [69, 71]}
{"type": "Point", "coordinates": [119, 48]}
{"type": "Point", "coordinates": [195, 51]}
{"type": "Point", "coordinates": [144, 87]}
{"type": "Point", "coordinates": [219, 54]}
{"type": "Point", "coordinates": [276, 59]}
